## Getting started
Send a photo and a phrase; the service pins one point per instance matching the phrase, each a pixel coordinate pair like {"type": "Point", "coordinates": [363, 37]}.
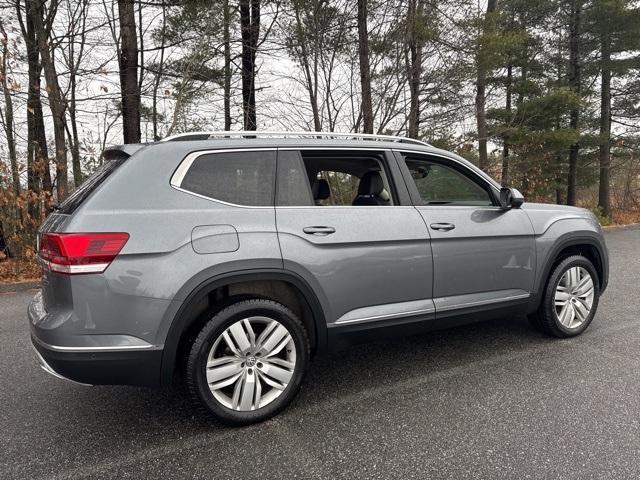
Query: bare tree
{"type": "Point", "coordinates": [414, 63]}
{"type": "Point", "coordinates": [158, 75]}
{"type": "Point", "coordinates": [308, 60]}
{"type": "Point", "coordinates": [38, 173]}
{"type": "Point", "coordinates": [365, 72]}
{"type": "Point", "coordinates": [481, 83]}
{"type": "Point", "coordinates": [7, 116]}
{"type": "Point", "coordinates": [226, 27]}
{"type": "Point", "coordinates": [128, 63]}
{"type": "Point", "coordinates": [317, 35]}
{"type": "Point", "coordinates": [74, 56]}
{"type": "Point", "coordinates": [250, 31]}
{"type": "Point", "coordinates": [43, 23]}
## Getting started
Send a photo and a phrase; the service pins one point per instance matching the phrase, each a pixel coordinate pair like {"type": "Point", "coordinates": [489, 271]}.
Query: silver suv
{"type": "Point", "coordinates": [227, 260]}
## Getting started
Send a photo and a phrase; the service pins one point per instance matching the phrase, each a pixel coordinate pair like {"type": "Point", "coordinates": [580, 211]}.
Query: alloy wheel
{"type": "Point", "coordinates": [251, 363]}
{"type": "Point", "coordinates": [574, 297]}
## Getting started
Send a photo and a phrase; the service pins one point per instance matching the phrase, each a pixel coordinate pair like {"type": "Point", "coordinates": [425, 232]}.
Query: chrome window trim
{"type": "Point", "coordinates": [335, 207]}
{"type": "Point", "coordinates": [222, 202]}
{"type": "Point", "coordinates": [185, 164]}
{"type": "Point", "coordinates": [316, 148]}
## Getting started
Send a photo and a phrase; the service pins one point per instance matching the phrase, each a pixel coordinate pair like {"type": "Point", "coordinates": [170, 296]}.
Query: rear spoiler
{"type": "Point", "coordinates": [122, 152]}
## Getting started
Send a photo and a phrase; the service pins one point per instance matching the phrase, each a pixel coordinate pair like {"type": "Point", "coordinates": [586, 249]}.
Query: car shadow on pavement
{"type": "Point", "coordinates": [331, 377]}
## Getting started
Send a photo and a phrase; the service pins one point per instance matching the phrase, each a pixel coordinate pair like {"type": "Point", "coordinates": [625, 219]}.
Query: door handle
{"type": "Point", "coordinates": [320, 231]}
{"type": "Point", "coordinates": [442, 227]}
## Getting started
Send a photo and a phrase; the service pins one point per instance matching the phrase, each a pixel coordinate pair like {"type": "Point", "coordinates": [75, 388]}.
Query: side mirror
{"type": "Point", "coordinates": [510, 198]}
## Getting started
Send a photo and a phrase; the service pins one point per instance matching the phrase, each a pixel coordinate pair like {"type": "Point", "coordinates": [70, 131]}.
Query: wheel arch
{"type": "Point", "coordinates": [586, 244]}
{"type": "Point", "coordinates": [190, 313]}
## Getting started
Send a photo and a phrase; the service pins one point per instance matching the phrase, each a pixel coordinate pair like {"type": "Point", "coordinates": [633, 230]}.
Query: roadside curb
{"type": "Point", "coordinates": [613, 228]}
{"type": "Point", "coordinates": [18, 287]}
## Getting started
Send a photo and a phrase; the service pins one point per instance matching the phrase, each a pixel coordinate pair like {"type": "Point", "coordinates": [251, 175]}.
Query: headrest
{"type": "Point", "coordinates": [371, 184]}
{"type": "Point", "coordinates": [320, 189]}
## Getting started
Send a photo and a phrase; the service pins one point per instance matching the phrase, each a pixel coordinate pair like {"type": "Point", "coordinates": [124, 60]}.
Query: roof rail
{"type": "Point", "coordinates": [261, 134]}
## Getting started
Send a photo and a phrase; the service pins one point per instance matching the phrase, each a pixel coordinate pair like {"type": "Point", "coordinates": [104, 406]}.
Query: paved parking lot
{"type": "Point", "coordinates": [493, 400]}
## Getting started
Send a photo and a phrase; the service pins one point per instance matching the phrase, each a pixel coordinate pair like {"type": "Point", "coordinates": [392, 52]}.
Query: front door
{"type": "Point", "coordinates": [483, 255]}
{"type": "Point", "coordinates": [343, 228]}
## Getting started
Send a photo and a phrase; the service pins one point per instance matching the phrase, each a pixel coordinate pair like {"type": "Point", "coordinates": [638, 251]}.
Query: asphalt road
{"type": "Point", "coordinates": [492, 400]}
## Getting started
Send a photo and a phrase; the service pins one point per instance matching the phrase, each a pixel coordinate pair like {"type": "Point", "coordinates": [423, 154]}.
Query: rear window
{"type": "Point", "coordinates": [242, 178]}
{"type": "Point", "coordinates": [79, 195]}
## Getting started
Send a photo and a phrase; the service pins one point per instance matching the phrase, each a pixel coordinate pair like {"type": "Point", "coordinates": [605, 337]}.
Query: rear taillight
{"type": "Point", "coordinates": [75, 253]}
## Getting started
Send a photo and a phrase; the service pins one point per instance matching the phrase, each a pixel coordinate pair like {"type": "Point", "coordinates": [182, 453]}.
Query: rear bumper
{"type": "Point", "coordinates": [89, 358]}
{"type": "Point", "coordinates": [124, 367]}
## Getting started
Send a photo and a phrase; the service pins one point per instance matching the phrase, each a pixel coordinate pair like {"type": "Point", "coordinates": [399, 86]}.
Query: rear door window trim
{"type": "Point", "coordinates": [399, 193]}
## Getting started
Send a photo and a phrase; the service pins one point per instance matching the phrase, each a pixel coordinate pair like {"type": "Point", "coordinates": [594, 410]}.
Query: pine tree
{"type": "Point", "coordinates": [615, 25]}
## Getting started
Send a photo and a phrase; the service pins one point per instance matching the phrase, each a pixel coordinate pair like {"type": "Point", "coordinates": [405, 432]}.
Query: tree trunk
{"type": "Point", "coordinates": [310, 79]}
{"type": "Point", "coordinates": [8, 116]}
{"type": "Point", "coordinates": [226, 9]}
{"type": "Point", "coordinates": [74, 60]}
{"type": "Point", "coordinates": [128, 63]}
{"type": "Point", "coordinates": [481, 86]}
{"type": "Point", "coordinates": [74, 140]}
{"type": "Point", "coordinates": [504, 179]}
{"type": "Point", "coordinates": [158, 77]}
{"type": "Point", "coordinates": [365, 73]}
{"type": "Point", "coordinates": [605, 124]}
{"type": "Point", "coordinates": [415, 45]}
{"type": "Point", "coordinates": [575, 85]}
{"type": "Point", "coordinates": [250, 29]}
{"type": "Point", "coordinates": [73, 134]}
{"type": "Point", "coordinates": [57, 102]}
{"type": "Point", "coordinates": [38, 174]}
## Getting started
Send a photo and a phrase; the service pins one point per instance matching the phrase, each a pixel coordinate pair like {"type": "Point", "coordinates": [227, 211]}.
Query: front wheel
{"type": "Point", "coordinates": [570, 299]}
{"type": "Point", "coordinates": [248, 361]}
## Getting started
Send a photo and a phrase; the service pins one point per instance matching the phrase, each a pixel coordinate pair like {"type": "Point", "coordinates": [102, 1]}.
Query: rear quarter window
{"type": "Point", "coordinates": [241, 178]}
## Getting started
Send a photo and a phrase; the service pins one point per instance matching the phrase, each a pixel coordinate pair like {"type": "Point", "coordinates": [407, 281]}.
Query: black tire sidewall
{"type": "Point", "coordinates": [197, 359]}
{"type": "Point", "coordinates": [550, 317]}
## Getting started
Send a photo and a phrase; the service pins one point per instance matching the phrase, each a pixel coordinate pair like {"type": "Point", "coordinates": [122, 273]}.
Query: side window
{"type": "Point", "coordinates": [243, 178]}
{"type": "Point", "coordinates": [293, 185]}
{"type": "Point", "coordinates": [439, 184]}
{"type": "Point", "coordinates": [333, 178]}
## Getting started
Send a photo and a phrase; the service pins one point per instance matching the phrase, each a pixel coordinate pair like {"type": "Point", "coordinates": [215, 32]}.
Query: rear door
{"type": "Point", "coordinates": [483, 255]}
{"type": "Point", "coordinates": [370, 265]}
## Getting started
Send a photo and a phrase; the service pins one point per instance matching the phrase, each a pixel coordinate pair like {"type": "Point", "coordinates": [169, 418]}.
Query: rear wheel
{"type": "Point", "coordinates": [248, 361]}
{"type": "Point", "coordinates": [570, 299]}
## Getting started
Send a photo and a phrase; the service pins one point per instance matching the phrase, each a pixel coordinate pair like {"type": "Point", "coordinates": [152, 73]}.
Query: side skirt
{"type": "Point", "coordinates": [342, 336]}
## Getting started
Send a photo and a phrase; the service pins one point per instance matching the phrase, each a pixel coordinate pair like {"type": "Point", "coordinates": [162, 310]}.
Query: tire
{"type": "Point", "coordinates": [265, 382]}
{"type": "Point", "coordinates": [570, 314]}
